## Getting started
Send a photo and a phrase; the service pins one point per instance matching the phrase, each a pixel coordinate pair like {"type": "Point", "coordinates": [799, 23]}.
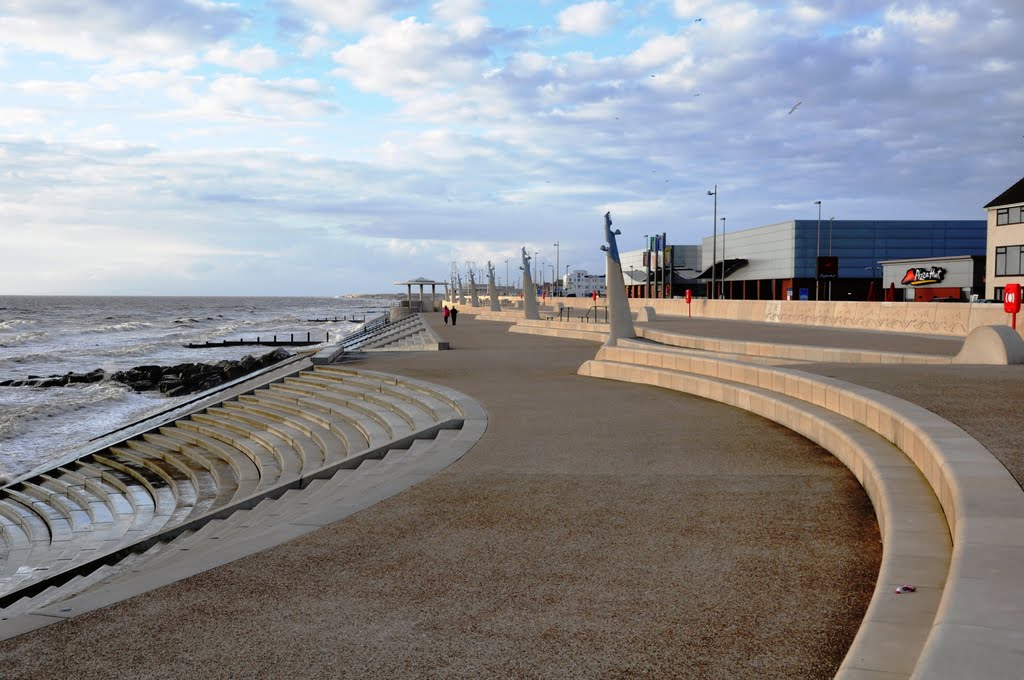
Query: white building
{"type": "Point", "coordinates": [582, 284]}
{"type": "Point", "coordinates": [1005, 241]}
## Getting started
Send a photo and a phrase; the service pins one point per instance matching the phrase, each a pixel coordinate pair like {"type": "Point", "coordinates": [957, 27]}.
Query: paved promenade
{"type": "Point", "coordinates": [599, 529]}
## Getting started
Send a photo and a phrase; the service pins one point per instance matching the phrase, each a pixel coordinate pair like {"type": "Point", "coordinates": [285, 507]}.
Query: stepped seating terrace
{"type": "Point", "coordinates": [140, 508]}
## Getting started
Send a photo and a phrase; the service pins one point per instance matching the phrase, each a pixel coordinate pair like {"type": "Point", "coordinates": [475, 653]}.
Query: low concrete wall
{"type": "Point", "coordinates": [934, 318]}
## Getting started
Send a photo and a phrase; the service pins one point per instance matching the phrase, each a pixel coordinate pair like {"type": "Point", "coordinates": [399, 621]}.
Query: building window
{"type": "Point", "coordinates": [1013, 215]}
{"type": "Point", "coordinates": [1008, 260]}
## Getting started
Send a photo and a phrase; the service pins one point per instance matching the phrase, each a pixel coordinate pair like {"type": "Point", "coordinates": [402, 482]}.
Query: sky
{"type": "Point", "coordinates": [327, 147]}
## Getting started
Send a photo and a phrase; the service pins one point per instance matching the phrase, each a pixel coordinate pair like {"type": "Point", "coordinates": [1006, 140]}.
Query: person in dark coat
{"type": "Point", "coordinates": [454, 314]}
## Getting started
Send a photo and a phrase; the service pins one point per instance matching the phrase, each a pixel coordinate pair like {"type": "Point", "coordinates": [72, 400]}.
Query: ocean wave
{"type": "Point", "coordinates": [36, 358]}
{"type": "Point", "coordinates": [121, 326]}
{"type": "Point", "coordinates": [6, 324]}
{"type": "Point", "coordinates": [18, 339]}
{"type": "Point", "coordinates": [132, 349]}
{"type": "Point", "coordinates": [23, 407]}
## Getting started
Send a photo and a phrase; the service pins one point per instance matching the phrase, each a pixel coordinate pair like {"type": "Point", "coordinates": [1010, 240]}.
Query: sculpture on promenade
{"type": "Point", "coordinates": [462, 291]}
{"type": "Point", "coordinates": [620, 316]}
{"type": "Point", "coordinates": [529, 290]}
{"type": "Point", "coordinates": [474, 300]}
{"type": "Point", "coordinates": [492, 289]}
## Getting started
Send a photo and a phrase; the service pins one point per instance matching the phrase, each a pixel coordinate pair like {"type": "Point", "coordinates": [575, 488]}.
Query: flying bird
{"type": "Point", "coordinates": [795, 107]}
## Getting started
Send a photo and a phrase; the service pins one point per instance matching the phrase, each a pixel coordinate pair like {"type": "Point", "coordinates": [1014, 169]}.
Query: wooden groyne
{"type": "Point", "coordinates": [272, 342]}
{"type": "Point", "coordinates": [352, 319]}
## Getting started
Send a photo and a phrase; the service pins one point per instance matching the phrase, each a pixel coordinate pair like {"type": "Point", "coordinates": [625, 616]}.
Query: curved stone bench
{"type": "Point", "coordinates": [569, 330]}
{"type": "Point", "coordinates": [977, 626]}
{"type": "Point", "coordinates": [808, 353]}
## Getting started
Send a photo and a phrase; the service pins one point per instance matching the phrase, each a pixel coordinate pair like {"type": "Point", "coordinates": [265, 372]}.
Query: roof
{"type": "Point", "coordinates": [1014, 194]}
{"type": "Point", "coordinates": [723, 268]}
{"type": "Point", "coordinates": [944, 258]}
{"type": "Point", "coordinates": [420, 280]}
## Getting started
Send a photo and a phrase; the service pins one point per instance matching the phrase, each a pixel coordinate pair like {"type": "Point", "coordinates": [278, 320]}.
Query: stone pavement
{"type": "Point", "coordinates": [598, 529]}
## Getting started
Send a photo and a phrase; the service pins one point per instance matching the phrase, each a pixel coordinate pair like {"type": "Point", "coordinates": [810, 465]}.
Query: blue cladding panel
{"type": "Point", "coordinates": [863, 243]}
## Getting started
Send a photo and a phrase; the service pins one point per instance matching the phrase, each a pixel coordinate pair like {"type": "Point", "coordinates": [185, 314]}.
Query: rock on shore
{"type": "Point", "coordinates": [173, 381]}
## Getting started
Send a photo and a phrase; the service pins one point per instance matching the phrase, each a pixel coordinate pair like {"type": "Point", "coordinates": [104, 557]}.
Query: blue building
{"type": "Point", "coordinates": [780, 261]}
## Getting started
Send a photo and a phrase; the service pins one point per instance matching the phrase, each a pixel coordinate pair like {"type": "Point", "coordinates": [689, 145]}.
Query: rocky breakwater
{"type": "Point", "coordinates": [172, 381]}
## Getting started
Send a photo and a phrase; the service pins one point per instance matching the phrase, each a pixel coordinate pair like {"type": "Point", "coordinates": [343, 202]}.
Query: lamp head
{"type": "Point", "coordinates": [711, 193]}
{"type": "Point", "coordinates": [817, 203]}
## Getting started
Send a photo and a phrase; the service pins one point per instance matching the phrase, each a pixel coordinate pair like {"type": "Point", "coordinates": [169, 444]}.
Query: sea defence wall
{"type": "Point", "coordinates": [928, 317]}
{"type": "Point", "coordinates": [931, 318]}
{"type": "Point", "coordinates": [934, 318]}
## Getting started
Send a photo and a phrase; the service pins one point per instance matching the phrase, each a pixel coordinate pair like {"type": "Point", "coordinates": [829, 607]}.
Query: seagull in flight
{"type": "Point", "coordinates": [795, 107]}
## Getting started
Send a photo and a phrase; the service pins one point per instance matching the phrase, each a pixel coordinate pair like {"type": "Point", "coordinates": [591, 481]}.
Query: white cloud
{"type": "Point", "coordinates": [922, 22]}
{"type": "Point", "coordinates": [807, 13]}
{"type": "Point", "coordinates": [659, 51]}
{"type": "Point", "coordinates": [686, 9]}
{"type": "Point", "coordinates": [253, 59]}
{"type": "Point", "coordinates": [301, 97]}
{"type": "Point", "coordinates": [316, 40]}
{"type": "Point", "coordinates": [143, 31]}
{"type": "Point", "coordinates": [588, 18]}
{"type": "Point", "coordinates": [997, 65]}
{"type": "Point", "coordinates": [14, 117]}
{"type": "Point", "coordinates": [352, 15]}
{"type": "Point", "coordinates": [407, 57]}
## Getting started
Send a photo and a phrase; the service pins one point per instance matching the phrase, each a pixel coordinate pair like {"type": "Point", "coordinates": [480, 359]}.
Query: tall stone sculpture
{"type": "Point", "coordinates": [492, 289]}
{"type": "Point", "coordinates": [462, 291]}
{"type": "Point", "coordinates": [619, 315]}
{"type": "Point", "coordinates": [474, 300]}
{"type": "Point", "coordinates": [529, 290]}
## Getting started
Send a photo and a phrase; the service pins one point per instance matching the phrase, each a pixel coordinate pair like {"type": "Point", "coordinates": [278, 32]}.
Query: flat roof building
{"type": "Point", "coordinates": [779, 261]}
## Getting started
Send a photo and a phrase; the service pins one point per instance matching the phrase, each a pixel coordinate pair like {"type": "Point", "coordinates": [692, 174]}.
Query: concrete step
{"type": "Point", "coordinates": [243, 467]}
{"type": "Point", "coordinates": [339, 437]}
{"type": "Point", "coordinates": [361, 429]}
{"type": "Point", "coordinates": [415, 415]}
{"type": "Point", "coordinates": [266, 463]}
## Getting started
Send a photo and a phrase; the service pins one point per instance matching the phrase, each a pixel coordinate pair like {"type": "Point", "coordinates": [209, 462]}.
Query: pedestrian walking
{"type": "Point", "coordinates": [446, 313]}
{"type": "Point", "coordinates": [455, 314]}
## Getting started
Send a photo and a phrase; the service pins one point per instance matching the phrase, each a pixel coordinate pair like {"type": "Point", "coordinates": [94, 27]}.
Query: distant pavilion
{"type": "Point", "coordinates": [422, 283]}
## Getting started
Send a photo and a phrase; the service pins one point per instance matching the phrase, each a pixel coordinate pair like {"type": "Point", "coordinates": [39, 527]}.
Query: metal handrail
{"type": "Point", "coordinates": [369, 328]}
{"type": "Point", "coordinates": [594, 309]}
{"type": "Point", "coordinates": [568, 313]}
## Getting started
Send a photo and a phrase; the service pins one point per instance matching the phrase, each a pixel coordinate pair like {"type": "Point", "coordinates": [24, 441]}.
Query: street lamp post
{"type": "Point", "coordinates": [722, 281]}
{"type": "Point", "coordinates": [558, 266]}
{"type": "Point", "coordinates": [817, 281]}
{"type": "Point", "coordinates": [714, 239]}
{"type": "Point", "coordinates": [647, 266]}
{"type": "Point", "coordinates": [508, 281]}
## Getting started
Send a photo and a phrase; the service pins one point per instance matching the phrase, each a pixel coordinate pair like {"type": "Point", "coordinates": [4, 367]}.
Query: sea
{"type": "Point", "coordinates": [54, 335]}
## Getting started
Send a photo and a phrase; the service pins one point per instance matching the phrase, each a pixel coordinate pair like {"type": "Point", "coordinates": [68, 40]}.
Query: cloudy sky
{"type": "Point", "coordinates": [320, 147]}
